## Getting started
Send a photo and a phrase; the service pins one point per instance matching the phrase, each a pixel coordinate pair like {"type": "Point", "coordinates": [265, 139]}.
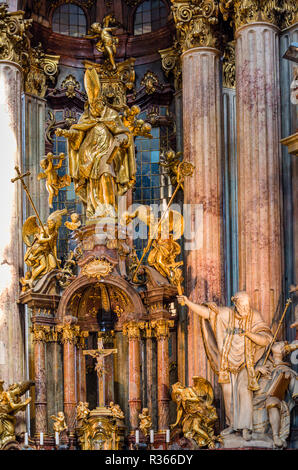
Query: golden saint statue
{"type": "Point", "coordinates": [59, 422]}
{"type": "Point", "coordinates": [101, 153]}
{"type": "Point", "coordinates": [145, 421]}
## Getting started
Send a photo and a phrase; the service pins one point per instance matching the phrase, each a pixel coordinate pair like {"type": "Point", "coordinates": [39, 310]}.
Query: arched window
{"type": "Point", "coordinates": [150, 16]}
{"type": "Point", "coordinates": [69, 19]}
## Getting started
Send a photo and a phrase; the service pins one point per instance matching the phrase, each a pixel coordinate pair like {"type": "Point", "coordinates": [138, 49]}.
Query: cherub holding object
{"type": "Point", "coordinates": [54, 182]}
{"type": "Point", "coordinates": [116, 411]}
{"type": "Point", "coordinates": [145, 421]}
{"type": "Point", "coordinates": [74, 223]}
{"type": "Point", "coordinates": [59, 422]}
{"type": "Point", "coordinates": [107, 43]}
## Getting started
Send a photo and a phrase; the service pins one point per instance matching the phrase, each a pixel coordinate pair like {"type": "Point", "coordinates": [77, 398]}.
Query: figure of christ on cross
{"type": "Point", "coordinates": [99, 354]}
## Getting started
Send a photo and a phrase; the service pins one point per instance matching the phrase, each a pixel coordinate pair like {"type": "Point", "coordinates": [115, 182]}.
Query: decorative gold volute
{"type": "Point", "coordinates": [41, 333]}
{"type": "Point", "coordinates": [242, 12]}
{"type": "Point", "coordinates": [196, 22]}
{"type": "Point", "coordinates": [229, 66]}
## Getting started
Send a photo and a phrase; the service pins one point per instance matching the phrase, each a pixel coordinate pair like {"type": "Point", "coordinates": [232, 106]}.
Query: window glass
{"type": "Point", "coordinates": [150, 16]}
{"type": "Point", "coordinates": [69, 19]}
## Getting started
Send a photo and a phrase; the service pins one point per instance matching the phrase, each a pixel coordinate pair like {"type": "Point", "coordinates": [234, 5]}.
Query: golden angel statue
{"type": "Point", "coordinates": [171, 160]}
{"type": "Point", "coordinates": [195, 412]}
{"type": "Point", "coordinates": [54, 182]}
{"type": "Point", "coordinates": [59, 422]}
{"type": "Point", "coordinates": [101, 153]}
{"type": "Point", "coordinates": [145, 421]}
{"type": "Point", "coordinates": [74, 222]}
{"type": "Point", "coordinates": [10, 404]}
{"type": "Point", "coordinates": [41, 254]}
{"type": "Point", "coordinates": [107, 42]}
{"type": "Point", "coordinates": [116, 410]}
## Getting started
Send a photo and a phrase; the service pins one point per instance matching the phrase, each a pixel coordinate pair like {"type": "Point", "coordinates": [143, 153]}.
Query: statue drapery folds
{"type": "Point", "coordinates": [101, 153]}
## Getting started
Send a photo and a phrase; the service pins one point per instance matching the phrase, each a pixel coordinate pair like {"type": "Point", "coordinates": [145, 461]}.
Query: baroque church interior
{"type": "Point", "coordinates": [148, 271]}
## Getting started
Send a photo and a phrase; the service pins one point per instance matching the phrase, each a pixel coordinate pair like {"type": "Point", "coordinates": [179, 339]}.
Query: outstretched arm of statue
{"type": "Point", "coordinates": [196, 308]}
{"type": "Point", "coordinates": [260, 340]}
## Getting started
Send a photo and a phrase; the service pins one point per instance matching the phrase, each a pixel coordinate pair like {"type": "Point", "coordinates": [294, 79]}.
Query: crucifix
{"type": "Point", "coordinates": [100, 354]}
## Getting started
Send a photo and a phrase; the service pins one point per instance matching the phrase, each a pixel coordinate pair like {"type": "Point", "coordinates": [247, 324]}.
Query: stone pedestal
{"type": "Point", "coordinates": [202, 147]}
{"type": "Point", "coordinates": [258, 149]}
{"type": "Point", "coordinates": [11, 252]}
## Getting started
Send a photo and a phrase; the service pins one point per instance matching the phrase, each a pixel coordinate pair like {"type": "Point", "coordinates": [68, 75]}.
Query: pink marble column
{"type": "Point", "coordinates": [202, 147]}
{"type": "Point", "coordinates": [132, 330]}
{"type": "Point", "coordinates": [259, 172]}
{"type": "Point", "coordinates": [39, 339]}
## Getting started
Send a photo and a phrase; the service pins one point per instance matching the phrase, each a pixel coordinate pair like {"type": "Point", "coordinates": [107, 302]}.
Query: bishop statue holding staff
{"type": "Point", "coordinates": [235, 339]}
{"type": "Point", "coordinates": [101, 153]}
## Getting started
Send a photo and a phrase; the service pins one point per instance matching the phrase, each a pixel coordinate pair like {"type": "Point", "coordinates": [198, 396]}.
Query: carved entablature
{"type": "Point", "coordinates": [196, 23]}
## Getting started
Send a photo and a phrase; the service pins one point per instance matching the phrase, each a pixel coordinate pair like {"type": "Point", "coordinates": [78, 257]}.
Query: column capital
{"type": "Point", "coordinates": [41, 333]}
{"type": "Point", "coordinates": [244, 12]}
{"type": "Point", "coordinates": [39, 68]}
{"type": "Point", "coordinates": [69, 333]}
{"type": "Point", "coordinates": [162, 328]}
{"type": "Point", "coordinates": [132, 329]}
{"type": "Point", "coordinates": [13, 35]}
{"type": "Point", "coordinates": [196, 23]}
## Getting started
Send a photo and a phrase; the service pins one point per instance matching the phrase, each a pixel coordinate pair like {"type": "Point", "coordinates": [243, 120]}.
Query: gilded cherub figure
{"type": "Point", "coordinates": [59, 422]}
{"type": "Point", "coordinates": [54, 182]}
{"type": "Point", "coordinates": [145, 421]}
{"type": "Point", "coordinates": [41, 255]}
{"type": "Point", "coordinates": [74, 222]}
{"type": "Point", "coordinates": [107, 42]}
{"type": "Point", "coordinates": [116, 411]}
{"type": "Point", "coordinates": [171, 160]}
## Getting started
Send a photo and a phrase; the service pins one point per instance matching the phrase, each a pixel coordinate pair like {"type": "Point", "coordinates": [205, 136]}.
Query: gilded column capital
{"type": "Point", "coordinates": [41, 333]}
{"type": "Point", "coordinates": [171, 63]}
{"type": "Point", "coordinates": [196, 22]}
{"type": "Point", "coordinates": [132, 329]}
{"type": "Point", "coordinates": [14, 40]}
{"type": "Point", "coordinates": [162, 328]}
{"type": "Point", "coordinates": [40, 70]}
{"type": "Point", "coordinates": [243, 12]}
{"type": "Point", "coordinates": [69, 333]}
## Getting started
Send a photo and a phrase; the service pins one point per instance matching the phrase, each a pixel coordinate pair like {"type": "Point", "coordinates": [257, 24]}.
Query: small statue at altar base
{"type": "Point", "coordinates": [145, 421]}
{"type": "Point", "coordinates": [59, 422]}
{"type": "Point", "coordinates": [83, 410]}
{"type": "Point", "coordinates": [116, 411]}
{"type": "Point", "coordinates": [74, 222]}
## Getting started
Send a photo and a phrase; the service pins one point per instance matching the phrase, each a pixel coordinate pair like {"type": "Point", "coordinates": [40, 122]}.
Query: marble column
{"type": "Point", "coordinates": [33, 151]}
{"type": "Point", "coordinates": [81, 373]}
{"type": "Point", "coordinates": [11, 249]}
{"type": "Point", "coordinates": [150, 372]}
{"type": "Point", "coordinates": [69, 338]}
{"type": "Point", "coordinates": [202, 147]}
{"type": "Point", "coordinates": [40, 336]}
{"type": "Point", "coordinates": [259, 168]}
{"type": "Point", "coordinates": [132, 330]}
{"type": "Point", "coordinates": [163, 377]}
